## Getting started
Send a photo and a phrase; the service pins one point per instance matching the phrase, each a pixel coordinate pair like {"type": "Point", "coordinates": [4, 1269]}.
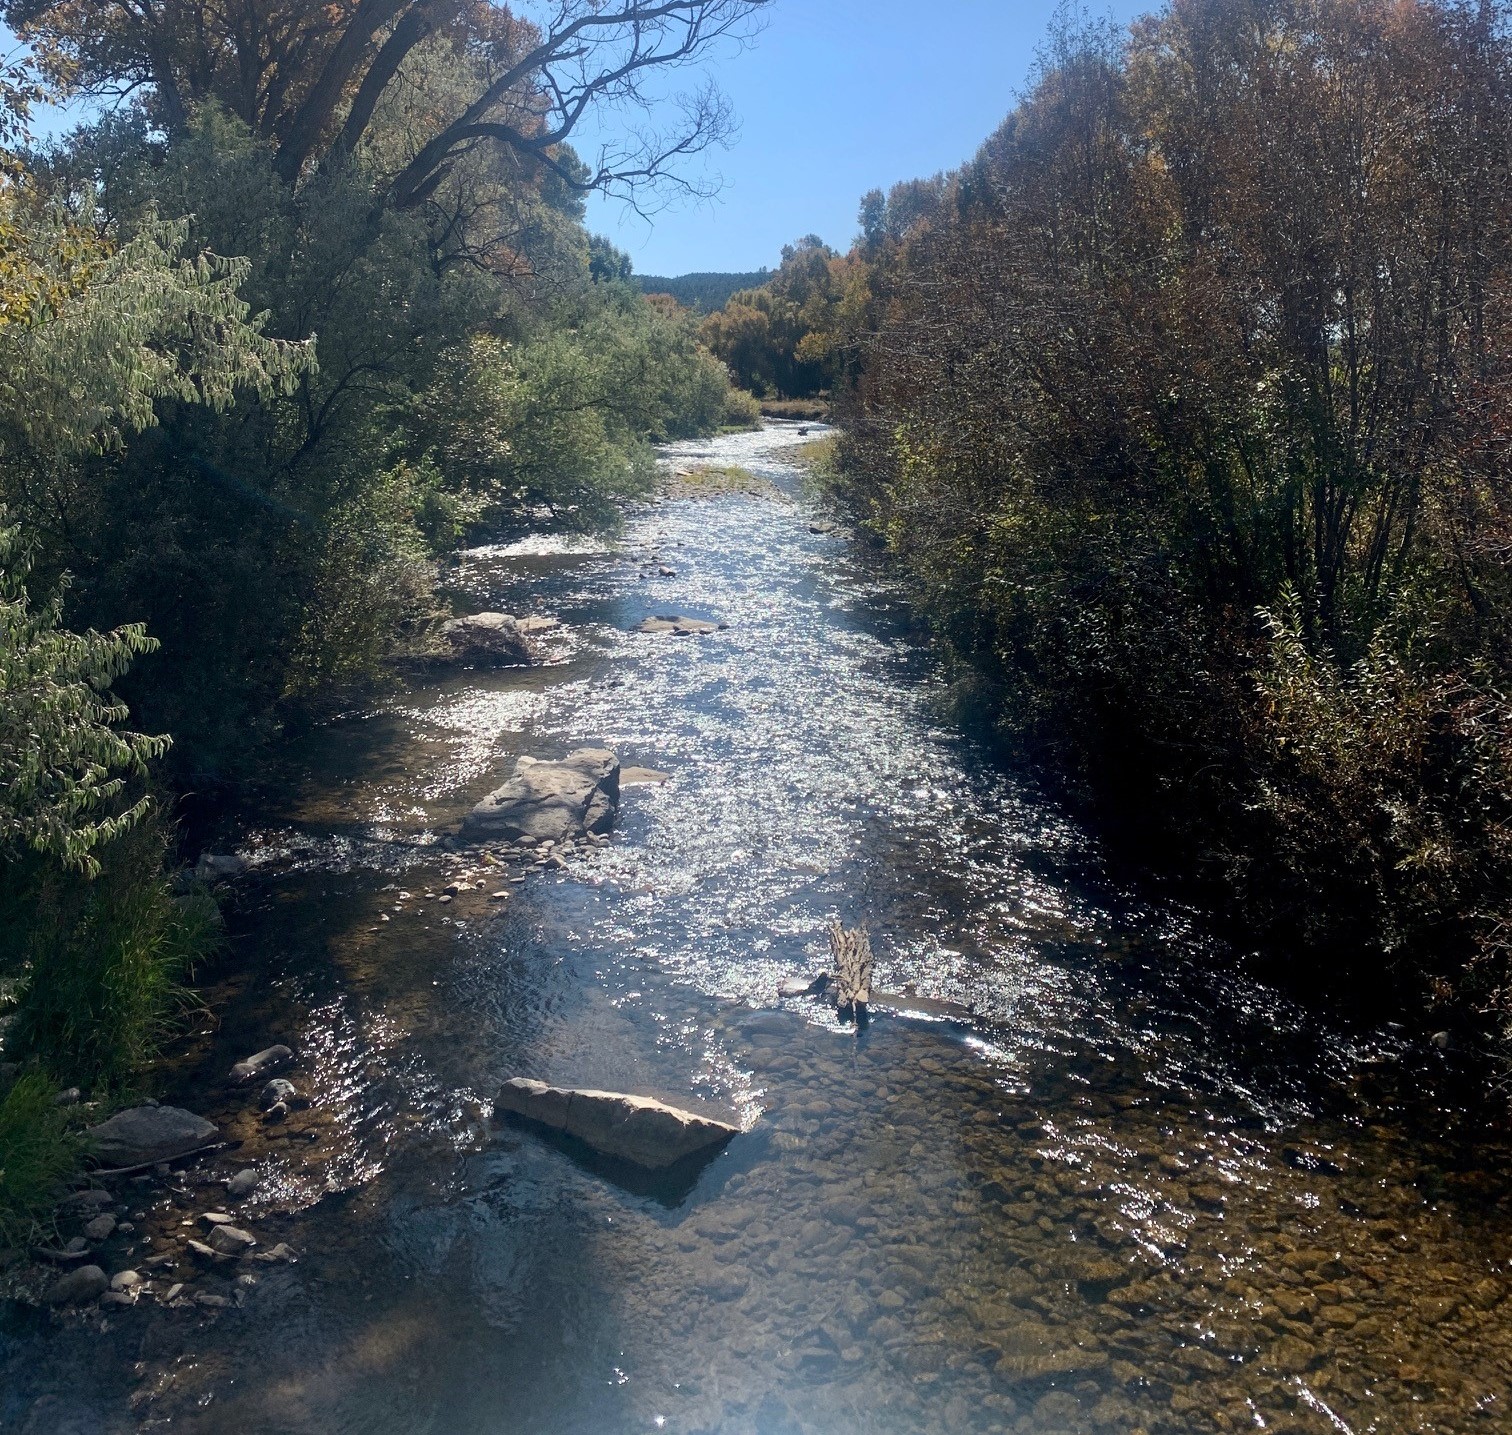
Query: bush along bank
{"type": "Point", "coordinates": [262, 370]}
{"type": "Point", "coordinates": [1183, 408]}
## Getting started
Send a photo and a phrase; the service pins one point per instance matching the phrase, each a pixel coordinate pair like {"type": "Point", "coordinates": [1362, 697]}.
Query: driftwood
{"type": "Point", "coordinates": [852, 956]}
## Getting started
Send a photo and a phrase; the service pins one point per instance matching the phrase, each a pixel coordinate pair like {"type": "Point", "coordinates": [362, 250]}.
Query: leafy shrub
{"type": "Point", "coordinates": [37, 1155]}
{"type": "Point", "coordinates": [742, 410]}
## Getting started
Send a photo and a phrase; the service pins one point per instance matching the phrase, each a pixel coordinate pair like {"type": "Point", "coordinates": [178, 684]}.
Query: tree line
{"type": "Point", "coordinates": [311, 303]}
{"type": "Point", "coordinates": [1184, 406]}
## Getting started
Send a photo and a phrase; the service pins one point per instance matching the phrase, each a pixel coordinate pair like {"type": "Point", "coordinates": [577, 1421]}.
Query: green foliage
{"type": "Point", "coordinates": [1182, 407]}
{"type": "Point", "coordinates": [704, 293]}
{"type": "Point", "coordinates": [37, 1155]}
{"type": "Point", "coordinates": [104, 960]}
{"type": "Point", "coordinates": [742, 410]}
{"type": "Point", "coordinates": [63, 756]}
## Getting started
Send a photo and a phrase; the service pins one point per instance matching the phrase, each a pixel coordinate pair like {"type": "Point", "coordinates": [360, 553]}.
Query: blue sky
{"type": "Point", "coordinates": [838, 97]}
{"type": "Point", "coordinates": [834, 98]}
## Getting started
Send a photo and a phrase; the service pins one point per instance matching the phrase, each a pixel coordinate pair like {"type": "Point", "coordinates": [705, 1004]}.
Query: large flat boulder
{"type": "Point", "coordinates": [680, 626]}
{"type": "Point", "coordinates": [550, 801]}
{"type": "Point", "coordinates": [145, 1135]}
{"type": "Point", "coordinates": [637, 1129]}
{"type": "Point", "coordinates": [489, 640]}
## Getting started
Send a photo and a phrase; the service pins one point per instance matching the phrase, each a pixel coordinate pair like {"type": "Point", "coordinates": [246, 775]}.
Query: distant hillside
{"type": "Point", "coordinates": [705, 292]}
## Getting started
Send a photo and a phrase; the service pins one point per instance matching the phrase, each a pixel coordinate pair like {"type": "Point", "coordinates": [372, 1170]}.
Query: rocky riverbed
{"type": "Point", "coordinates": [1091, 1181]}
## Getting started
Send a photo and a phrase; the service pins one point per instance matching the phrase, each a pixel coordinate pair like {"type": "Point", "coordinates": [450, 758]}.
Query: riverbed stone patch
{"type": "Point", "coordinates": [550, 801]}
{"type": "Point", "coordinates": [145, 1135]}
{"type": "Point", "coordinates": [638, 1129]}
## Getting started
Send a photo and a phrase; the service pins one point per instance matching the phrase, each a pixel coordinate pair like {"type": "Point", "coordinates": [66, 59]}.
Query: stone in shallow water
{"type": "Point", "coordinates": [680, 626]}
{"type": "Point", "coordinates": [489, 639]}
{"type": "Point", "coordinates": [143, 1135]}
{"type": "Point", "coordinates": [264, 1063]}
{"type": "Point", "coordinates": [550, 801]}
{"type": "Point", "coordinates": [638, 1129]}
{"type": "Point", "coordinates": [231, 1240]}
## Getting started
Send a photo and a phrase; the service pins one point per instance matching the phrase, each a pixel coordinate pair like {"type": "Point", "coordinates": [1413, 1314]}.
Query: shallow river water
{"type": "Point", "coordinates": [1131, 1193]}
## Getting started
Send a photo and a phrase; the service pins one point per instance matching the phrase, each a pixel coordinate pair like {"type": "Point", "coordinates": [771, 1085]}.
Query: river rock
{"type": "Point", "coordinates": [264, 1063]}
{"type": "Point", "coordinates": [803, 986]}
{"type": "Point", "coordinates": [494, 639]}
{"type": "Point", "coordinates": [219, 866]}
{"type": "Point", "coordinates": [230, 1240]}
{"type": "Point", "coordinates": [679, 626]}
{"type": "Point", "coordinates": [550, 801]}
{"type": "Point", "coordinates": [643, 777]}
{"type": "Point", "coordinates": [145, 1135]}
{"type": "Point", "coordinates": [634, 1128]}
{"type": "Point", "coordinates": [79, 1287]}
{"type": "Point", "coordinates": [242, 1185]}
{"type": "Point", "coordinates": [101, 1227]}
{"type": "Point", "coordinates": [278, 1092]}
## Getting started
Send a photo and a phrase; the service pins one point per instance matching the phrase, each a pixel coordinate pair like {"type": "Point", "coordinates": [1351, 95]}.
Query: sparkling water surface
{"type": "Point", "coordinates": [1130, 1192]}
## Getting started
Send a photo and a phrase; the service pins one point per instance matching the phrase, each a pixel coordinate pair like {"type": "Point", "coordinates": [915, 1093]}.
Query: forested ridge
{"type": "Point", "coordinates": [1184, 408]}
{"type": "Point", "coordinates": [311, 305]}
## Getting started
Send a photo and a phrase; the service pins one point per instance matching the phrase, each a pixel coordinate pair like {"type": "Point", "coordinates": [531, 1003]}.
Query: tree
{"type": "Point", "coordinates": [309, 79]}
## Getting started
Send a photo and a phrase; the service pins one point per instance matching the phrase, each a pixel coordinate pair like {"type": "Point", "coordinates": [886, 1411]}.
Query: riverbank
{"type": "Point", "coordinates": [1136, 1191]}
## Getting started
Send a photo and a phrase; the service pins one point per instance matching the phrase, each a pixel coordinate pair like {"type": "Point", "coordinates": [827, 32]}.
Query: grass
{"type": "Point", "coordinates": [819, 455]}
{"type": "Point", "coordinates": [38, 1154]}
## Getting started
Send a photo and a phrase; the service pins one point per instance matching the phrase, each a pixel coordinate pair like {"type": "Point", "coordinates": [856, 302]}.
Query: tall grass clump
{"type": "Point", "coordinates": [37, 1155]}
{"type": "Point", "coordinates": [104, 962]}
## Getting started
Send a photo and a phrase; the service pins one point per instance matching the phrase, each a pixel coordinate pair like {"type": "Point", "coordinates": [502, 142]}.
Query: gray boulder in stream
{"type": "Point", "coordinates": [490, 640]}
{"type": "Point", "coordinates": [637, 1129]}
{"type": "Point", "coordinates": [550, 801]}
{"type": "Point", "coordinates": [145, 1135]}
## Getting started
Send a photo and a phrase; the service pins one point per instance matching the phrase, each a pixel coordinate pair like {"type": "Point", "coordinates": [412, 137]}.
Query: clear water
{"type": "Point", "coordinates": [1131, 1193]}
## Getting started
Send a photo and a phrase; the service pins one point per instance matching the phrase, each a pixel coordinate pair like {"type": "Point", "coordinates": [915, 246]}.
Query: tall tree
{"type": "Point", "coordinates": [309, 78]}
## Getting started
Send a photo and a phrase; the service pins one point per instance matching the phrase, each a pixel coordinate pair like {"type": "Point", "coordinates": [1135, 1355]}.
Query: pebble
{"type": "Point", "coordinates": [125, 1281]}
{"type": "Point", "coordinates": [101, 1227]}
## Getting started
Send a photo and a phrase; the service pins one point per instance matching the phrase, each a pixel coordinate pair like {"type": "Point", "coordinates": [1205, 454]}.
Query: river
{"type": "Point", "coordinates": [1132, 1192]}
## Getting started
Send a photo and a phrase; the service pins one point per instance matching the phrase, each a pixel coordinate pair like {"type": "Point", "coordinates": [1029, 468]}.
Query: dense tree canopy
{"type": "Point", "coordinates": [1185, 403]}
{"type": "Point", "coordinates": [310, 80]}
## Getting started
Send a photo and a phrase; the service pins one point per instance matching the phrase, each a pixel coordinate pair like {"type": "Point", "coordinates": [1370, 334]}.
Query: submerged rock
{"type": "Point", "coordinates": [643, 777]}
{"type": "Point", "coordinates": [634, 1128]}
{"type": "Point", "coordinates": [803, 986]}
{"type": "Point", "coordinates": [494, 639]}
{"type": "Point", "coordinates": [680, 626]}
{"type": "Point", "coordinates": [243, 1184]}
{"type": "Point", "coordinates": [145, 1135]}
{"type": "Point", "coordinates": [550, 801]}
{"type": "Point", "coordinates": [264, 1063]}
{"type": "Point", "coordinates": [220, 866]}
